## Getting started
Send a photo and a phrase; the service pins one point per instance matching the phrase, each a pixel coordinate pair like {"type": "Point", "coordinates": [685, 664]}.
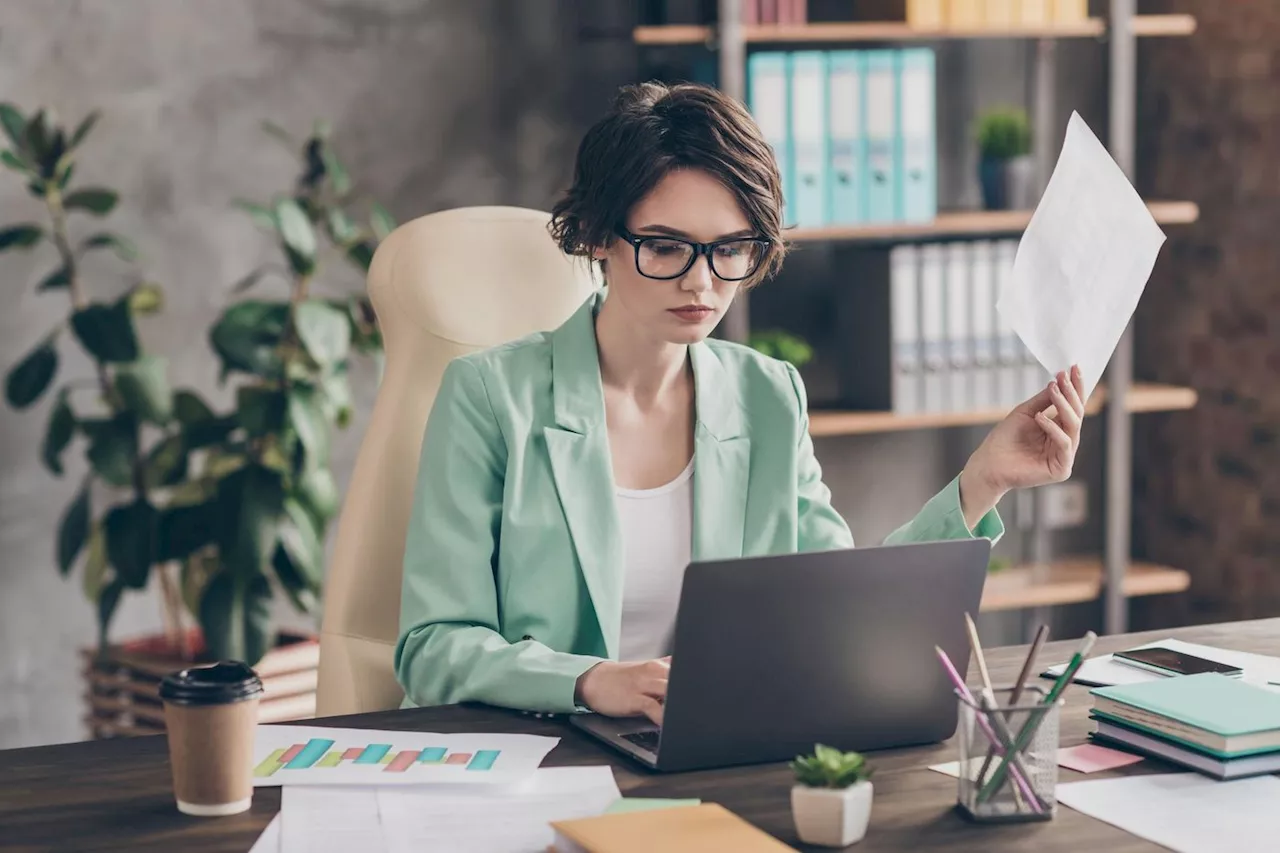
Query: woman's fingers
{"type": "Point", "coordinates": [1055, 433]}
{"type": "Point", "coordinates": [655, 687]}
{"type": "Point", "coordinates": [1077, 383]}
{"type": "Point", "coordinates": [1072, 388]}
{"type": "Point", "coordinates": [652, 709]}
{"type": "Point", "coordinates": [1067, 414]}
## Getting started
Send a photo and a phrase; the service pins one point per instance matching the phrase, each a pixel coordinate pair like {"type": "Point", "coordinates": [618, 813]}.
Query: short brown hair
{"type": "Point", "coordinates": [651, 130]}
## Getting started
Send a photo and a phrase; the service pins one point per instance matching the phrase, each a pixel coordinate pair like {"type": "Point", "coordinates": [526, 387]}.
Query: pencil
{"type": "Point", "coordinates": [1042, 633]}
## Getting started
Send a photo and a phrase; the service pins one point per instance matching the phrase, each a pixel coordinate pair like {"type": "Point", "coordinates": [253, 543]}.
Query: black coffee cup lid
{"type": "Point", "coordinates": [220, 684]}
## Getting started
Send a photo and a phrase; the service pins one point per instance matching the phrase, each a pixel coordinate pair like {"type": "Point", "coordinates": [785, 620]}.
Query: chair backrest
{"type": "Point", "coordinates": [442, 285]}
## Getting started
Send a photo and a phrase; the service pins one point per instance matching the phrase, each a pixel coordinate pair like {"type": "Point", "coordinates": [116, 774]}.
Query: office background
{"type": "Point", "coordinates": [445, 103]}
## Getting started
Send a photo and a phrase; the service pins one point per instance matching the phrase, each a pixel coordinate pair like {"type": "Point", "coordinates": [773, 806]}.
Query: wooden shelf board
{"type": "Point", "coordinates": [970, 222]}
{"type": "Point", "coordinates": [877, 31]}
{"type": "Point", "coordinates": [1143, 397]}
{"type": "Point", "coordinates": [1072, 580]}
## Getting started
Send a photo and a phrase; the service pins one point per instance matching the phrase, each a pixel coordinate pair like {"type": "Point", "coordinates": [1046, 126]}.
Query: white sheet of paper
{"type": "Point", "coordinates": [269, 840]}
{"type": "Point", "coordinates": [1261, 670]}
{"type": "Point", "coordinates": [1083, 261]}
{"type": "Point", "coordinates": [484, 758]}
{"type": "Point", "coordinates": [952, 769]}
{"type": "Point", "coordinates": [1186, 812]}
{"type": "Point", "coordinates": [515, 821]}
{"type": "Point", "coordinates": [330, 819]}
{"type": "Point", "coordinates": [402, 819]}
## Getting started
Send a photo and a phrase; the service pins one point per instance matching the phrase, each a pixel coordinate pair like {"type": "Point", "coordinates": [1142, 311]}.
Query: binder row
{"type": "Point", "coordinates": [994, 13]}
{"type": "Point", "coordinates": [854, 132]}
{"type": "Point", "coordinates": [952, 350]}
{"type": "Point", "coordinates": [784, 12]}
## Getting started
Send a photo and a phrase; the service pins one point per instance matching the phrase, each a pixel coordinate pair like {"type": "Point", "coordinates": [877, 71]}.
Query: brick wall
{"type": "Point", "coordinates": [1207, 484]}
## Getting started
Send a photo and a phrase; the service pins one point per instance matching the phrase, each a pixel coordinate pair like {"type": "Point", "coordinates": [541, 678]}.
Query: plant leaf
{"type": "Point", "coordinates": [261, 215]}
{"type": "Point", "coordinates": [252, 278]}
{"type": "Point", "coordinates": [197, 570]}
{"type": "Point", "coordinates": [341, 227]}
{"type": "Point", "coordinates": [235, 616]}
{"type": "Point", "coordinates": [336, 399]}
{"type": "Point", "coordinates": [188, 408]}
{"type": "Point", "coordinates": [166, 464]}
{"type": "Point", "coordinates": [260, 410]}
{"type": "Point", "coordinates": [249, 503]}
{"type": "Point", "coordinates": [298, 236]}
{"type": "Point", "coordinates": [113, 446]}
{"type": "Point", "coordinates": [280, 134]}
{"type": "Point", "coordinates": [22, 236]}
{"type": "Point", "coordinates": [58, 433]}
{"type": "Point", "coordinates": [96, 200]}
{"type": "Point", "coordinates": [73, 530]}
{"type": "Point", "coordinates": [301, 540]}
{"type": "Point", "coordinates": [15, 126]}
{"type": "Point", "coordinates": [95, 564]}
{"type": "Point", "coordinates": [339, 180]}
{"type": "Point", "coordinates": [143, 385]}
{"type": "Point", "coordinates": [65, 178]}
{"type": "Point", "coordinates": [55, 280]}
{"type": "Point", "coordinates": [206, 433]}
{"type": "Point", "coordinates": [308, 421]}
{"type": "Point", "coordinates": [123, 247]}
{"type": "Point", "coordinates": [14, 162]}
{"type": "Point", "coordinates": [145, 299]}
{"type": "Point", "coordinates": [107, 603]}
{"type": "Point", "coordinates": [183, 530]}
{"type": "Point", "coordinates": [132, 539]}
{"type": "Point", "coordinates": [83, 129]}
{"type": "Point", "coordinates": [247, 336]}
{"type": "Point", "coordinates": [381, 221]}
{"type": "Point", "coordinates": [324, 331]}
{"type": "Point", "coordinates": [30, 378]}
{"type": "Point", "coordinates": [361, 254]}
{"type": "Point", "coordinates": [293, 582]}
{"type": "Point", "coordinates": [106, 331]}
{"type": "Point", "coordinates": [317, 493]}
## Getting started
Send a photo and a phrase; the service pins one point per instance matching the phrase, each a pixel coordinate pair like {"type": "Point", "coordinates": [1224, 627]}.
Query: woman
{"type": "Point", "coordinates": [569, 477]}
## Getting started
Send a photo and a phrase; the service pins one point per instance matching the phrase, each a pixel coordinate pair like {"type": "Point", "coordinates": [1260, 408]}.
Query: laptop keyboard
{"type": "Point", "coordinates": [647, 739]}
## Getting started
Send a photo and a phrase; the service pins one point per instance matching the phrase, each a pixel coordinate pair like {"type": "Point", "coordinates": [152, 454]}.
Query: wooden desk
{"type": "Point", "coordinates": [116, 794]}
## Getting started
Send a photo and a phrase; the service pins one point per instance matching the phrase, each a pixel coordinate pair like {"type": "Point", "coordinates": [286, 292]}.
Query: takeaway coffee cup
{"type": "Point", "coordinates": [211, 713]}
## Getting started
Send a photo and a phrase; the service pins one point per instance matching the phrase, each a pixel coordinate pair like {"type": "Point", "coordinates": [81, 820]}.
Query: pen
{"type": "Point", "coordinates": [988, 692]}
{"type": "Point", "coordinates": [1033, 722]}
{"type": "Point", "coordinates": [1042, 633]}
{"type": "Point", "coordinates": [963, 690]}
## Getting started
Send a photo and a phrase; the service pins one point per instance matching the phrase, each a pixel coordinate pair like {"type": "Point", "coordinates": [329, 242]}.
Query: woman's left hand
{"type": "Point", "coordinates": [1034, 445]}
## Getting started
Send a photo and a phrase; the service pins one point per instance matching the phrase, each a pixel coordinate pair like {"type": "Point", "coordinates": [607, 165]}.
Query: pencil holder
{"type": "Point", "coordinates": [1008, 756]}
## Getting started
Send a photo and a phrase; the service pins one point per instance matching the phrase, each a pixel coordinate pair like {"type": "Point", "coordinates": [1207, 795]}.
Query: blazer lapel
{"type": "Point", "coordinates": [722, 461]}
{"type": "Point", "coordinates": [578, 447]}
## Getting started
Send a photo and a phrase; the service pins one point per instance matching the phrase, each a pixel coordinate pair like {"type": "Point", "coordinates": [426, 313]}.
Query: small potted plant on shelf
{"type": "Point", "coordinates": [781, 345]}
{"type": "Point", "coordinates": [1005, 167]}
{"type": "Point", "coordinates": [831, 800]}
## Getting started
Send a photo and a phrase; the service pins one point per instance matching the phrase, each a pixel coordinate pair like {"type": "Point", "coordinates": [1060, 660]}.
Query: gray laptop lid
{"type": "Point", "coordinates": [773, 654]}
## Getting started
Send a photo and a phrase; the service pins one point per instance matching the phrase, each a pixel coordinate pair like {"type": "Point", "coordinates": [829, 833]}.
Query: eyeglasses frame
{"type": "Point", "coordinates": [699, 249]}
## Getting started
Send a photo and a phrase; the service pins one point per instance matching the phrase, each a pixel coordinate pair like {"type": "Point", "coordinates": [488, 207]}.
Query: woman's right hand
{"type": "Point", "coordinates": [625, 689]}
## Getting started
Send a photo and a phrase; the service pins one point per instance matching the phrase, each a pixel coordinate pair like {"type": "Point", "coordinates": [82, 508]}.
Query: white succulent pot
{"type": "Point", "coordinates": [832, 817]}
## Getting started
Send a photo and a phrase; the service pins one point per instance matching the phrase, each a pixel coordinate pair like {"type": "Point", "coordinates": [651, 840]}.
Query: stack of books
{"type": "Point", "coordinates": [1216, 724]}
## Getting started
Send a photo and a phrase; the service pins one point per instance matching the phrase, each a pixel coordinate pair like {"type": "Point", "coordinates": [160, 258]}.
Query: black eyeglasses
{"type": "Point", "coordinates": [665, 258]}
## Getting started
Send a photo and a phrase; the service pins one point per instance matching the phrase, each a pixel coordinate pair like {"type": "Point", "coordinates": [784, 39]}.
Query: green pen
{"type": "Point", "coordinates": [1029, 727]}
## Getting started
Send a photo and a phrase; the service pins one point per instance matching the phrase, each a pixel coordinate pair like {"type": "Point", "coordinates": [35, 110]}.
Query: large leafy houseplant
{"type": "Point", "coordinates": [133, 427]}
{"type": "Point", "coordinates": [259, 504]}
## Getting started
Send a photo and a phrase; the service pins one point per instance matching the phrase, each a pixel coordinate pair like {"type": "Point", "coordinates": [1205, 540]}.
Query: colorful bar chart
{"type": "Point", "coordinates": [318, 753]}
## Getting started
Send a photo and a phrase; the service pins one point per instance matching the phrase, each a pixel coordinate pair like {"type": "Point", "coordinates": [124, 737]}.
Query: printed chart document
{"type": "Point", "coordinates": [400, 819]}
{"type": "Point", "coordinates": [1186, 812]}
{"type": "Point", "coordinates": [314, 755]}
{"type": "Point", "coordinates": [1083, 261]}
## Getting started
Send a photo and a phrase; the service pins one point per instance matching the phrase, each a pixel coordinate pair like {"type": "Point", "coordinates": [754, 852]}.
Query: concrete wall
{"type": "Point", "coordinates": [436, 104]}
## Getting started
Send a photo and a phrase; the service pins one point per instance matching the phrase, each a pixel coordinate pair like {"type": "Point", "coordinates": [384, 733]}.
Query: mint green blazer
{"type": "Point", "coordinates": [513, 559]}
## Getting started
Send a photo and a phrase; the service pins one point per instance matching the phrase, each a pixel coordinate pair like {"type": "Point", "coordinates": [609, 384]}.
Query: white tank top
{"type": "Point", "coordinates": [657, 540]}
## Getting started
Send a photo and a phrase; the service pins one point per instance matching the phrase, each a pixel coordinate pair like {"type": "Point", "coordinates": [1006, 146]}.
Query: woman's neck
{"type": "Point", "coordinates": [633, 363]}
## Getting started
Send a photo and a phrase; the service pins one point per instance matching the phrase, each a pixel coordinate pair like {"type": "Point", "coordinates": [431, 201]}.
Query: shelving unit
{"type": "Point", "coordinates": [1141, 398]}
{"type": "Point", "coordinates": [1114, 577]}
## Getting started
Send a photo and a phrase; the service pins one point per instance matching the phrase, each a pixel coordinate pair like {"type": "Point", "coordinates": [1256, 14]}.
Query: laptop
{"type": "Point", "coordinates": [775, 654]}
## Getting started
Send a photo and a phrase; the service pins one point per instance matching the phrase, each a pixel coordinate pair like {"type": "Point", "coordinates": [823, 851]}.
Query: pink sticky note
{"type": "Point", "coordinates": [1090, 758]}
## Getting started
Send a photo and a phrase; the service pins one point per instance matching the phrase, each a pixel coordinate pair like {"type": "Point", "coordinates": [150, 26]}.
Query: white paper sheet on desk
{"type": "Point", "coordinates": [403, 819]}
{"type": "Point", "coordinates": [1102, 671]}
{"type": "Point", "coordinates": [1185, 812]}
{"type": "Point", "coordinates": [1083, 261]}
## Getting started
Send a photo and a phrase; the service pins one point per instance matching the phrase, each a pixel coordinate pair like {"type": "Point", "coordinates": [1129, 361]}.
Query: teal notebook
{"type": "Point", "coordinates": [1217, 711]}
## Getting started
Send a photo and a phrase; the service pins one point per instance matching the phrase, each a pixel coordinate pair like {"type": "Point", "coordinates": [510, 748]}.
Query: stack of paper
{"type": "Point", "coordinates": [403, 819]}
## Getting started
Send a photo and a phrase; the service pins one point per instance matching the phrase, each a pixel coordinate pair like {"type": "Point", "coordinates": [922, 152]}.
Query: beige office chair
{"type": "Point", "coordinates": [442, 285]}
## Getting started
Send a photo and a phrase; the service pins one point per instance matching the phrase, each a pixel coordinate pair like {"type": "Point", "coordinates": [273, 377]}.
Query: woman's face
{"type": "Point", "coordinates": [690, 205]}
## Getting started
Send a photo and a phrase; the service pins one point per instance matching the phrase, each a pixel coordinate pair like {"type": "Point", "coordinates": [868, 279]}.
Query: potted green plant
{"type": "Point", "coordinates": [782, 345]}
{"type": "Point", "coordinates": [124, 415]}
{"type": "Point", "coordinates": [831, 800]}
{"type": "Point", "coordinates": [1005, 167]}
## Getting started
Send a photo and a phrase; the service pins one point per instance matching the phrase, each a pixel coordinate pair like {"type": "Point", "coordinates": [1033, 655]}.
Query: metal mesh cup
{"type": "Point", "coordinates": [1008, 756]}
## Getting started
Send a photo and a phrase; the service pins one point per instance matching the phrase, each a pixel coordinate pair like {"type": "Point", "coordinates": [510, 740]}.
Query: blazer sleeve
{"type": "Point", "coordinates": [819, 526]}
{"type": "Point", "coordinates": [450, 648]}
{"type": "Point", "coordinates": [942, 518]}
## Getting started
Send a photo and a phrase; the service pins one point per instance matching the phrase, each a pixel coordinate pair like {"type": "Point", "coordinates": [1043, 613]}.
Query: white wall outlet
{"type": "Point", "coordinates": [1064, 505]}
